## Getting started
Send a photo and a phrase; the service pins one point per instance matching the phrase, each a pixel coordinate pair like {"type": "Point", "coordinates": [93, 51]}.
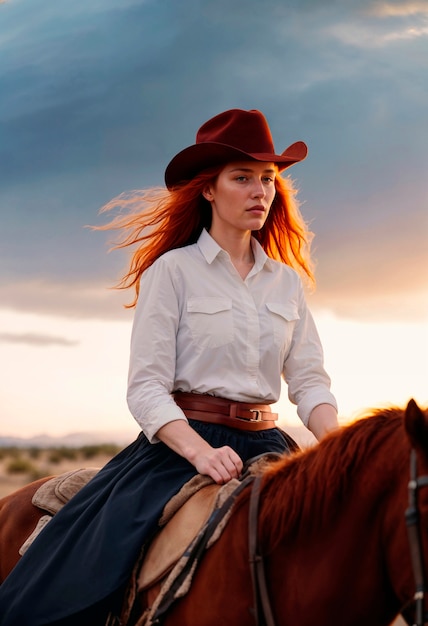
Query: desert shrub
{"type": "Point", "coordinates": [56, 455]}
{"type": "Point", "coordinates": [20, 466]}
{"type": "Point", "coordinates": [70, 454]}
{"type": "Point", "coordinates": [37, 473]}
{"type": "Point", "coordinates": [11, 451]}
{"type": "Point", "coordinates": [89, 452]}
{"type": "Point", "coordinates": [109, 449]}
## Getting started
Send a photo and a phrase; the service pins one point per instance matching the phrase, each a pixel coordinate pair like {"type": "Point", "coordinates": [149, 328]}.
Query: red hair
{"type": "Point", "coordinates": [159, 220]}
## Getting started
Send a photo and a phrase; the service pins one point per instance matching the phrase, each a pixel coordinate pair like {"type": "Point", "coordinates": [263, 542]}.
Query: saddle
{"type": "Point", "coordinates": [181, 521]}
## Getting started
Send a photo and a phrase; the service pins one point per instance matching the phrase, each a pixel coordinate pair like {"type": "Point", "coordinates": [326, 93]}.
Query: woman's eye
{"type": "Point", "coordinates": [241, 178]}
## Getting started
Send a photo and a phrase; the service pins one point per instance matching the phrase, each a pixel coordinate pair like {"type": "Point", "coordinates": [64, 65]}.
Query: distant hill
{"type": "Point", "coordinates": [72, 440]}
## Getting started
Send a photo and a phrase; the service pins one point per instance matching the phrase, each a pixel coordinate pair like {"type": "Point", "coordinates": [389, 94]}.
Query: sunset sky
{"type": "Point", "coordinates": [98, 95]}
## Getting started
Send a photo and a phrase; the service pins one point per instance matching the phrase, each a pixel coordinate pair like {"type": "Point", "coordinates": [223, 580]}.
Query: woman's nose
{"type": "Point", "coordinates": [258, 190]}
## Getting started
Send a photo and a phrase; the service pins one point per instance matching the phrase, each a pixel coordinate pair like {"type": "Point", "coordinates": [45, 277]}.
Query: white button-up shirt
{"type": "Point", "coordinates": [199, 327]}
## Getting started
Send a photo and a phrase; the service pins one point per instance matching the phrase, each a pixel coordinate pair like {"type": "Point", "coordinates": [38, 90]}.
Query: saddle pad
{"type": "Point", "coordinates": [38, 529]}
{"type": "Point", "coordinates": [57, 491]}
{"type": "Point", "coordinates": [168, 545]}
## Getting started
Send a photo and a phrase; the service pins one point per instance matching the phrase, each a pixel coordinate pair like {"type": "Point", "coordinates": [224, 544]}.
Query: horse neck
{"type": "Point", "coordinates": [361, 463]}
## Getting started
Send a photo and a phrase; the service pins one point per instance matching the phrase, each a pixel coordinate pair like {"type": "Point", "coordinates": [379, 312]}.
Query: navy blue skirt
{"type": "Point", "coordinates": [85, 555]}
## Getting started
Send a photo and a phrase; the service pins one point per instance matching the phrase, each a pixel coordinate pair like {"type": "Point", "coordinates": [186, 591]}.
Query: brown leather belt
{"type": "Point", "coordinates": [242, 415]}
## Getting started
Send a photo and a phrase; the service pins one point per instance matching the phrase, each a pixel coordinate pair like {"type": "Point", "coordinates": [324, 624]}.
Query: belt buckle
{"type": "Point", "coordinates": [258, 417]}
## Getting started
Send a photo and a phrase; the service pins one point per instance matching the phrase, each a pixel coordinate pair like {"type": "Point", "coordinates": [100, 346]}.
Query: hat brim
{"type": "Point", "coordinates": [192, 160]}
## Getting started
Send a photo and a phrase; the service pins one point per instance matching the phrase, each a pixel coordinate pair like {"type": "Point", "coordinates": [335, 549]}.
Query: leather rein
{"type": "Point", "coordinates": [262, 606]}
{"type": "Point", "coordinates": [413, 522]}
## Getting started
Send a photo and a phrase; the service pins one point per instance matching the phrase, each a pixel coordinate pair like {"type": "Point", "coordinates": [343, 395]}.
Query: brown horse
{"type": "Point", "coordinates": [331, 534]}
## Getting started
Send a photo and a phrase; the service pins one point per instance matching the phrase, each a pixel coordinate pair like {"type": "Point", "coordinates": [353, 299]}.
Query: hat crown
{"type": "Point", "coordinates": [247, 131]}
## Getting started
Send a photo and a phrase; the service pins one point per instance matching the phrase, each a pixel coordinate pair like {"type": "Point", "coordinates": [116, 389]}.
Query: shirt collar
{"type": "Point", "coordinates": [210, 250]}
{"type": "Point", "coordinates": [261, 259]}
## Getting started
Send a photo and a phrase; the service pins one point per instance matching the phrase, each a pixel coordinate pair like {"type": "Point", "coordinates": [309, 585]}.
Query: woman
{"type": "Point", "coordinates": [220, 316]}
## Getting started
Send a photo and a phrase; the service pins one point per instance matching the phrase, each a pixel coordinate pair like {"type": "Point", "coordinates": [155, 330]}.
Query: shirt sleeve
{"type": "Point", "coordinates": [308, 382]}
{"type": "Point", "coordinates": [153, 352]}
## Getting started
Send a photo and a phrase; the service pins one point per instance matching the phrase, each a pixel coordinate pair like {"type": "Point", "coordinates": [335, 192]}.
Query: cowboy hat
{"type": "Point", "coordinates": [234, 135]}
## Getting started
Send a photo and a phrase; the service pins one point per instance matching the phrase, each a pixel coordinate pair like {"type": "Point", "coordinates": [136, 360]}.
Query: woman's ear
{"type": "Point", "coordinates": [207, 193]}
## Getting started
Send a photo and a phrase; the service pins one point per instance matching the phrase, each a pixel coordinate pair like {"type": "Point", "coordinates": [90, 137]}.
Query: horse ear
{"type": "Point", "coordinates": [416, 423]}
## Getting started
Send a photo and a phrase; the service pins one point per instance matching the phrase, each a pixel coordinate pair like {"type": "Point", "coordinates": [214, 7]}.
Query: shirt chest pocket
{"type": "Point", "coordinates": [283, 319]}
{"type": "Point", "coordinates": [210, 320]}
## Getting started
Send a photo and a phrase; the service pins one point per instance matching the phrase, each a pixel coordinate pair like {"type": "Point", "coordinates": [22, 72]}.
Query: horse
{"type": "Point", "coordinates": [334, 534]}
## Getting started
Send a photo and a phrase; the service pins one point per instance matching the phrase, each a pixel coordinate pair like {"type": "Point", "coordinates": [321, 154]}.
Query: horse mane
{"type": "Point", "coordinates": [302, 492]}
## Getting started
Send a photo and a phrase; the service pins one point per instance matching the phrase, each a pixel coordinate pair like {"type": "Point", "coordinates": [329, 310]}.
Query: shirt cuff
{"type": "Point", "coordinates": [305, 408]}
{"type": "Point", "coordinates": [158, 417]}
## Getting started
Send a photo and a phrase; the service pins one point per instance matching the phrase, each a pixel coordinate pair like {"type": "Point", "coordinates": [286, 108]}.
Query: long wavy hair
{"type": "Point", "coordinates": [157, 220]}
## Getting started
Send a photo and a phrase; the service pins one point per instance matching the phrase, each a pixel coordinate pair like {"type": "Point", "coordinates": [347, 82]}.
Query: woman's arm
{"type": "Point", "coordinates": [153, 351]}
{"type": "Point", "coordinates": [323, 420]}
{"type": "Point", "coordinates": [222, 464]}
{"type": "Point", "coordinates": [308, 382]}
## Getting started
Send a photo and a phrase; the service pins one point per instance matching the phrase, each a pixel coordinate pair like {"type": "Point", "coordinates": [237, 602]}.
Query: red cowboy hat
{"type": "Point", "coordinates": [234, 135]}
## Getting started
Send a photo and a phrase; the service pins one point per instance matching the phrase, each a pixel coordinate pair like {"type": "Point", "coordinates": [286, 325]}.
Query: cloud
{"type": "Point", "coordinates": [380, 24]}
{"type": "Point", "coordinates": [72, 300]}
{"type": "Point", "coordinates": [37, 340]}
{"type": "Point", "coordinates": [368, 305]}
{"type": "Point", "coordinates": [398, 9]}
{"type": "Point", "coordinates": [373, 264]}
{"type": "Point", "coordinates": [372, 36]}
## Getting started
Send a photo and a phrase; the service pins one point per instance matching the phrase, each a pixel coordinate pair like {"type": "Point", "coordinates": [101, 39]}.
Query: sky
{"type": "Point", "coordinates": [99, 95]}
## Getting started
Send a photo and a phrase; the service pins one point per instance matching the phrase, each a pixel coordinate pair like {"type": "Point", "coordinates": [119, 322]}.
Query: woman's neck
{"type": "Point", "coordinates": [237, 244]}
{"type": "Point", "coordinates": [239, 248]}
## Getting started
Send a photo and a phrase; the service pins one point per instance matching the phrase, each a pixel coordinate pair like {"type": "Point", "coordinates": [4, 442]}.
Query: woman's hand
{"type": "Point", "coordinates": [222, 464]}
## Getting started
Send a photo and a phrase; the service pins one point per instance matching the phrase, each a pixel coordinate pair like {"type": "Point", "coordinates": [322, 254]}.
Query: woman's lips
{"type": "Point", "coordinates": [256, 209]}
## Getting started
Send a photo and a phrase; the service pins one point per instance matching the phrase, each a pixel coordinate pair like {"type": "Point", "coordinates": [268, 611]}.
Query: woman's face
{"type": "Point", "coordinates": [241, 196]}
